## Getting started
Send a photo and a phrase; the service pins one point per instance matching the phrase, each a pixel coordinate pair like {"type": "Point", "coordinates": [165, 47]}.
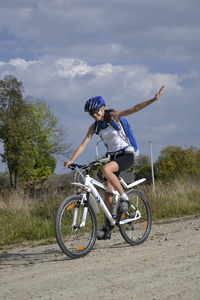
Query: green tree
{"type": "Point", "coordinates": [48, 141]}
{"type": "Point", "coordinates": [13, 130]}
{"type": "Point", "coordinates": [178, 161]}
{"type": "Point", "coordinates": [142, 168]}
{"type": "Point", "coordinates": [30, 133]}
{"type": "Point", "coordinates": [4, 181]}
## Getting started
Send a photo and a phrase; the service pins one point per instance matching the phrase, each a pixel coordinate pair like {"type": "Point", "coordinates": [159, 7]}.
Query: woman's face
{"type": "Point", "coordinates": [97, 113]}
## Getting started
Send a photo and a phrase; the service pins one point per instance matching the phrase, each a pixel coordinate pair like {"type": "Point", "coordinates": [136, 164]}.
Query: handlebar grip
{"type": "Point", "coordinates": [73, 166]}
{"type": "Point", "coordinates": [94, 163]}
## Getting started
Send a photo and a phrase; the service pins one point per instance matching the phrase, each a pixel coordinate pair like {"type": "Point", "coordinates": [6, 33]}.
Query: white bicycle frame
{"type": "Point", "coordinates": [88, 186]}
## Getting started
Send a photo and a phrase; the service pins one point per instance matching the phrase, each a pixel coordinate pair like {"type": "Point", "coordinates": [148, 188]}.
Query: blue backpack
{"type": "Point", "coordinates": [128, 131]}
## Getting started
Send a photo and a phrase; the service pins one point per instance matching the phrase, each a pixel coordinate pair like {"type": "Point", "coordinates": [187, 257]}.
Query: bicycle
{"type": "Point", "coordinates": [76, 220]}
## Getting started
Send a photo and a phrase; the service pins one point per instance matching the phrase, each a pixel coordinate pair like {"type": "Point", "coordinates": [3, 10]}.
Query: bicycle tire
{"type": "Point", "coordinates": [74, 241]}
{"type": "Point", "coordinates": [136, 232]}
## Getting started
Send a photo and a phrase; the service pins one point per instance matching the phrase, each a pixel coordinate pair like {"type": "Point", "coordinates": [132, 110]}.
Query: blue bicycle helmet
{"type": "Point", "coordinates": [94, 103]}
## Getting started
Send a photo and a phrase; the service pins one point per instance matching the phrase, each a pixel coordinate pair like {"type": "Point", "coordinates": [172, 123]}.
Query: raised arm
{"type": "Point", "coordinates": [82, 146]}
{"type": "Point", "coordinates": [123, 113]}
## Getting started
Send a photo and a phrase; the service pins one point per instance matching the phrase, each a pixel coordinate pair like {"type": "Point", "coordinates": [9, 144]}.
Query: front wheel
{"type": "Point", "coordinates": [75, 235]}
{"type": "Point", "coordinates": [137, 230]}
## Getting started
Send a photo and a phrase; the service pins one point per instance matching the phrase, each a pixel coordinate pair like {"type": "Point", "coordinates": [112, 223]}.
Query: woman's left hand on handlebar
{"type": "Point", "coordinates": [67, 163]}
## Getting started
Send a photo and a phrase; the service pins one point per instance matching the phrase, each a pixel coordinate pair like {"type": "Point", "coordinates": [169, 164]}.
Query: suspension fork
{"type": "Point", "coordinates": [75, 215]}
{"type": "Point", "coordinates": [85, 200]}
{"type": "Point", "coordinates": [85, 210]}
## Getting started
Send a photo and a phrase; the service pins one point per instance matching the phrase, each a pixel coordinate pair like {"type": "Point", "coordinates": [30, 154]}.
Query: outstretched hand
{"type": "Point", "coordinates": [157, 96]}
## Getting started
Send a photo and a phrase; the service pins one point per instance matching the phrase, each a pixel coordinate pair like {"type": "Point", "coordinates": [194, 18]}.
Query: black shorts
{"type": "Point", "coordinates": [124, 161]}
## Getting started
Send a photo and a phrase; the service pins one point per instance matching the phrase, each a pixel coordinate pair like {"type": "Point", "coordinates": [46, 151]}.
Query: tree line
{"type": "Point", "coordinates": [31, 135]}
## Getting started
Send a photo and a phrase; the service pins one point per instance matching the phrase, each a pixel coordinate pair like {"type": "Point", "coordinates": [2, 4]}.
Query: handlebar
{"type": "Point", "coordinates": [95, 163]}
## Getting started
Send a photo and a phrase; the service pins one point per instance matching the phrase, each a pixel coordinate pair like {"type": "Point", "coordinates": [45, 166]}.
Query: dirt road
{"type": "Point", "coordinates": [166, 266]}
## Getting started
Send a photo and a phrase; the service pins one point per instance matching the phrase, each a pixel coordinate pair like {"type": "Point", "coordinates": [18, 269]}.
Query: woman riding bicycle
{"type": "Point", "coordinates": [115, 143]}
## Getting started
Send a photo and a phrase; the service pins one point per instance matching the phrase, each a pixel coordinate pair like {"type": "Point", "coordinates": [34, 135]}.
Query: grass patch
{"type": "Point", "coordinates": [18, 226]}
{"type": "Point", "coordinates": [24, 220]}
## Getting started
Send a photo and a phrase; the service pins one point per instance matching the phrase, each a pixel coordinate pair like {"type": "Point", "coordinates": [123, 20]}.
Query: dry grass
{"type": "Point", "coordinates": [174, 199]}
{"type": "Point", "coordinates": [15, 202]}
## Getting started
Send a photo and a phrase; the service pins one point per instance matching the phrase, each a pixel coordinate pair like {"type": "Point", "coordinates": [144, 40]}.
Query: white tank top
{"type": "Point", "coordinates": [113, 138]}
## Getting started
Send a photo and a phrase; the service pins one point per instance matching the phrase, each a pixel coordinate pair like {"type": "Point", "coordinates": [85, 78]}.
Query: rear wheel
{"type": "Point", "coordinates": [74, 239]}
{"type": "Point", "coordinates": [136, 231]}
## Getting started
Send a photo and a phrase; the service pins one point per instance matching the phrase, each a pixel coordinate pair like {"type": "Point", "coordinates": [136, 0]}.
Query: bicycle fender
{"type": "Point", "coordinates": [136, 182]}
{"type": "Point", "coordinates": [94, 204]}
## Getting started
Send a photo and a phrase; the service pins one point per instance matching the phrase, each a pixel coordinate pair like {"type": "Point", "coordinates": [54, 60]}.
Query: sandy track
{"type": "Point", "coordinates": [166, 266]}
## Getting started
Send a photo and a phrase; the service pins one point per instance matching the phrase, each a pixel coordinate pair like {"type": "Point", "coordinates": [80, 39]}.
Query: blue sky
{"type": "Point", "coordinates": [65, 52]}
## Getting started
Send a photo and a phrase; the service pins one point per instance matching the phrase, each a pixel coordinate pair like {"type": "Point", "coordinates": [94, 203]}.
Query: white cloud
{"type": "Point", "coordinates": [20, 64]}
{"type": "Point", "coordinates": [71, 81]}
{"type": "Point", "coordinates": [67, 67]}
